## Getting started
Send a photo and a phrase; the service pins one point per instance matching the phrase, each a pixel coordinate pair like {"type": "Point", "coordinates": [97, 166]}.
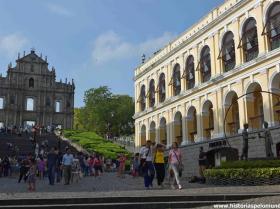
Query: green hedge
{"type": "Point", "coordinates": [95, 143]}
{"type": "Point", "coordinates": [241, 173]}
{"type": "Point", "coordinates": [246, 164]}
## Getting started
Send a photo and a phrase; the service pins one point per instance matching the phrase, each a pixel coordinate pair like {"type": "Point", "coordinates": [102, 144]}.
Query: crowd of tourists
{"type": "Point", "coordinates": [150, 163]}
{"type": "Point", "coordinates": [58, 167]}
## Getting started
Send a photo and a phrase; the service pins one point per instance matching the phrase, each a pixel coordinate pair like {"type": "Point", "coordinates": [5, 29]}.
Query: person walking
{"type": "Point", "coordinates": [159, 164]}
{"type": "Point", "coordinates": [67, 162]}
{"type": "Point", "coordinates": [6, 166]}
{"type": "Point", "coordinates": [41, 167]}
{"type": "Point", "coordinates": [121, 168]}
{"type": "Point", "coordinates": [202, 162]}
{"type": "Point", "coordinates": [97, 164]}
{"type": "Point", "coordinates": [58, 167]}
{"type": "Point", "coordinates": [32, 176]}
{"type": "Point", "coordinates": [175, 161]}
{"type": "Point", "coordinates": [147, 166]}
{"type": "Point", "coordinates": [51, 163]}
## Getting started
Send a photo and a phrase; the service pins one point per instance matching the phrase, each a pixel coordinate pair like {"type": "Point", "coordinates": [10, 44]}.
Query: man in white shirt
{"type": "Point", "coordinates": [146, 155]}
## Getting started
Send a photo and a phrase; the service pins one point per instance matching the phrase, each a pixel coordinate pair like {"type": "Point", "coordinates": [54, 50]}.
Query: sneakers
{"type": "Point", "coordinates": [180, 187]}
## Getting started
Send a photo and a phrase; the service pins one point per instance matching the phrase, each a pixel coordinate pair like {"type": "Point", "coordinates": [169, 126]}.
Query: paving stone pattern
{"type": "Point", "coordinates": [109, 185]}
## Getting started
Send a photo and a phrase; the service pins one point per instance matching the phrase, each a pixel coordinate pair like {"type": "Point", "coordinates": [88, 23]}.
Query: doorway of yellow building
{"type": "Point", "coordinates": [192, 124]}
{"type": "Point", "coordinates": [231, 106]}
{"type": "Point", "coordinates": [178, 128]}
{"type": "Point", "coordinates": [162, 131]}
{"type": "Point", "coordinates": [207, 120]}
{"type": "Point", "coordinates": [143, 135]}
{"type": "Point", "coordinates": [254, 104]}
{"type": "Point", "coordinates": [152, 131]}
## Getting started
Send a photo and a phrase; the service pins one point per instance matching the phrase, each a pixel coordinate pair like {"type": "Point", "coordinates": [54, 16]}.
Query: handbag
{"type": "Point", "coordinates": [143, 161]}
{"type": "Point", "coordinates": [180, 165]}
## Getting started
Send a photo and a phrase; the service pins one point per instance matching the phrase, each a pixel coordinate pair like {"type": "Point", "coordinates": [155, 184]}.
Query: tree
{"type": "Point", "coordinates": [106, 113]}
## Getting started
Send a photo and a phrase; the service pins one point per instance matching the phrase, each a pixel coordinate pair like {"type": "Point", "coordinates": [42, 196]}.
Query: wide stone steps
{"type": "Point", "coordinates": [132, 202]}
{"type": "Point", "coordinates": [25, 145]}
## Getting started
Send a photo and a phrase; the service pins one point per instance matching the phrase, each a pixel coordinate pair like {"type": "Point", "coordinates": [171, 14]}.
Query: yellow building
{"type": "Point", "coordinates": [184, 91]}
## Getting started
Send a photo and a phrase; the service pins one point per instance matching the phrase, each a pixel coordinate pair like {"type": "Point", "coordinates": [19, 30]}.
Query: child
{"type": "Point", "coordinates": [41, 167]}
{"type": "Point", "coordinates": [32, 176]}
{"type": "Point", "coordinates": [135, 165]}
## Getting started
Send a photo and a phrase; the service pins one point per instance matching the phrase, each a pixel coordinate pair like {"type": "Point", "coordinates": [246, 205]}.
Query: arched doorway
{"type": "Point", "coordinates": [254, 103]}
{"type": "Point", "coordinates": [207, 119]}
{"type": "Point", "coordinates": [161, 88]}
{"type": "Point", "coordinates": [176, 80]}
{"type": "Point", "coordinates": [272, 25]}
{"type": "Point", "coordinates": [142, 98]}
{"type": "Point", "coordinates": [189, 72]}
{"type": "Point", "coordinates": [162, 131]}
{"type": "Point", "coordinates": [143, 135]}
{"type": "Point", "coordinates": [192, 124]}
{"type": "Point", "coordinates": [178, 128]}
{"type": "Point", "coordinates": [249, 40]}
{"type": "Point", "coordinates": [152, 93]}
{"type": "Point", "coordinates": [205, 64]}
{"type": "Point", "coordinates": [227, 53]}
{"type": "Point", "coordinates": [232, 118]}
{"type": "Point", "coordinates": [152, 131]}
{"type": "Point", "coordinates": [275, 88]}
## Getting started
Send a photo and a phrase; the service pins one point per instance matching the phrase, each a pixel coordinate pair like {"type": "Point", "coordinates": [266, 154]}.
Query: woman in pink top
{"type": "Point", "coordinates": [174, 160]}
{"type": "Point", "coordinates": [41, 167]}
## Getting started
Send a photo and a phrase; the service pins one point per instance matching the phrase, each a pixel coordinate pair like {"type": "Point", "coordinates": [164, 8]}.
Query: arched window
{"type": "Point", "coordinates": [30, 104]}
{"type": "Point", "coordinates": [250, 40]}
{"type": "Point", "coordinates": [142, 98]}
{"type": "Point", "coordinates": [273, 25]}
{"type": "Point", "coordinates": [57, 106]}
{"type": "Point", "coordinates": [31, 83]}
{"type": "Point", "coordinates": [227, 53]}
{"type": "Point", "coordinates": [1, 103]}
{"type": "Point", "coordinates": [48, 101]}
{"type": "Point", "coordinates": [161, 88]}
{"type": "Point", "coordinates": [189, 72]}
{"type": "Point", "coordinates": [152, 93]}
{"type": "Point", "coordinates": [205, 64]}
{"type": "Point", "coordinates": [12, 99]}
{"type": "Point", "coordinates": [176, 80]}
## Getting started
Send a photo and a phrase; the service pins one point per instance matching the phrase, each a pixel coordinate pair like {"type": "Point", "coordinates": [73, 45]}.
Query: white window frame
{"type": "Point", "coordinates": [27, 104]}
{"type": "Point", "coordinates": [2, 104]}
{"type": "Point", "coordinates": [58, 109]}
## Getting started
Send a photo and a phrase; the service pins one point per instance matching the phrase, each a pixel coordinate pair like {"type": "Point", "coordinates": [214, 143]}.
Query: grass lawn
{"type": "Point", "coordinates": [95, 143]}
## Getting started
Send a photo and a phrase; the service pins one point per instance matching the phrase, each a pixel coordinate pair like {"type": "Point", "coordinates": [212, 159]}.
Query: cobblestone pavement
{"type": "Point", "coordinates": [109, 185]}
{"type": "Point", "coordinates": [106, 182]}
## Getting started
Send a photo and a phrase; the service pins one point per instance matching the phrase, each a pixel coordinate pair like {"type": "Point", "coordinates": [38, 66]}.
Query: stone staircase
{"type": "Point", "coordinates": [25, 146]}
{"type": "Point", "coordinates": [128, 202]}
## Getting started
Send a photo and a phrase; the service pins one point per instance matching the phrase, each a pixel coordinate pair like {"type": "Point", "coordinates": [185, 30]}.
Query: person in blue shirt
{"type": "Point", "coordinates": [67, 162]}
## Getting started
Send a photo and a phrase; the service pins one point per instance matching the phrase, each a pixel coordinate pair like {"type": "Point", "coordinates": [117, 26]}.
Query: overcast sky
{"type": "Point", "coordinates": [95, 42]}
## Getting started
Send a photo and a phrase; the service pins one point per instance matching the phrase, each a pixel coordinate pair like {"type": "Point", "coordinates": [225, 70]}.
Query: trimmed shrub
{"type": "Point", "coordinates": [95, 143]}
{"type": "Point", "coordinates": [246, 164]}
{"type": "Point", "coordinates": [241, 173]}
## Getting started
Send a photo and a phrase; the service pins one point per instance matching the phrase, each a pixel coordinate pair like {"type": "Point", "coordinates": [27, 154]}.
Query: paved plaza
{"type": "Point", "coordinates": [109, 184]}
{"type": "Point", "coordinates": [104, 183]}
